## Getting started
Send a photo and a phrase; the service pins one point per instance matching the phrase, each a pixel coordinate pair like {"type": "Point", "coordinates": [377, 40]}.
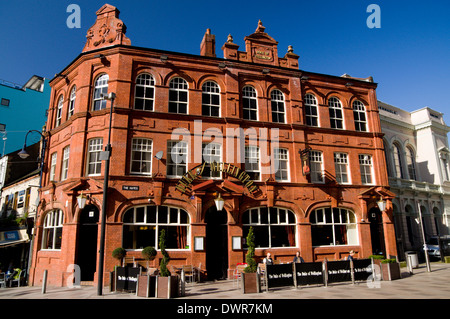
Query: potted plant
{"type": "Point", "coordinates": [390, 269]}
{"type": "Point", "coordinates": [167, 285]}
{"type": "Point", "coordinates": [147, 283]}
{"type": "Point", "coordinates": [119, 254]}
{"type": "Point", "coordinates": [149, 253]}
{"type": "Point", "coordinates": [250, 277]}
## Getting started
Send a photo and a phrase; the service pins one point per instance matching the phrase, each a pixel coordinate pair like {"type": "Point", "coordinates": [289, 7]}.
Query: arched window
{"type": "Point", "coordinates": [336, 115]}
{"type": "Point", "coordinates": [100, 90]}
{"type": "Point", "coordinates": [59, 111]}
{"type": "Point", "coordinates": [398, 161]}
{"type": "Point", "coordinates": [144, 92]}
{"type": "Point", "coordinates": [333, 226]}
{"type": "Point", "coordinates": [178, 96]}
{"type": "Point", "coordinates": [142, 226]}
{"type": "Point", "coordinates": [311, 112]}
{"type": "Point", "coordinates": [249, 103]}
{"type": "Point", "coordinates": [73, 96]}
{"type": "Point", "coordinates": [277, 102]}
{"type": "Point", "coordinates": [359, 114]}
{"type": "Point", "coordinates": [210, 99]}
{"type": "Point", "coordinates": [273, 227]}
{"type": "Point", "coordinates": [411, 163]}
{"type": "Point", "coordinates": [52, 230]}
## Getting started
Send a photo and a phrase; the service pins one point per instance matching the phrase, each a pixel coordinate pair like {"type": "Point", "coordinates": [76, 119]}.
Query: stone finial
{"type": "Point", "coordinates": [230, 38]}
{"type": "Point", "coordinates": [108, 30]}
{"type": "Point", "coordinates": [290, 49]}
{"type": "Point", "coordinates": [260, 27]}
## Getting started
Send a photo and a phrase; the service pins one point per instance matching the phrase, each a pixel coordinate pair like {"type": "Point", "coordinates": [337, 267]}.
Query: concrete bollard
{"type": "Point", "coordinates": [44, 282]}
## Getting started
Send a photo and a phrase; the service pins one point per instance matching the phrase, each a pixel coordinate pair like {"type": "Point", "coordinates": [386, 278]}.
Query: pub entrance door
{"type": "Point", "coordinates": [216, 244]}
{"type": "Point", "coordinates": [87, 242]}
{"type": "Point", "coordinates": [377, 232]}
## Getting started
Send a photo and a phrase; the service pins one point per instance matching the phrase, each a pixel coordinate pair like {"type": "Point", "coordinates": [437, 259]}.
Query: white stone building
{"type": "Point", "coordinates": [417, 156]}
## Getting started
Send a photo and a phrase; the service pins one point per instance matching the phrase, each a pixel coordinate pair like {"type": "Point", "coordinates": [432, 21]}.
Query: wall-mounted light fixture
{"type": "Point", "coordinates": [304, 78]}
{"type": "Point", "coordinates": [382, 204]}
{"type": "Point", "coordinates": [222, 66]}
{"type": "Point", "coordinates": [220, 202]}
{"type": "Point", "coordinates": [81, 200]}
{"type": "Point", "coordinates": [164, 58]}
{"type": "Point", "coordinates": [265, 71]}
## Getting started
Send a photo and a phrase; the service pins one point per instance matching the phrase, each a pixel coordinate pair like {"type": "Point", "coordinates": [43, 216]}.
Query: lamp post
{"type": "Point", "coordinates": [23, 154]}
{"type": "Point", "coordinates": [425, 249]}
{"type": "Point", "coordinates": [106, 156]}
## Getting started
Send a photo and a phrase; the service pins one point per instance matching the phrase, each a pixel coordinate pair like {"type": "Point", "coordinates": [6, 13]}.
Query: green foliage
{"type": "Point", "coordinates": [389, 261]}
{"type": "Point", "coordinates": [149, 253]}
{"type": "Point", "coordinates": [163, 271]}
{"type": "Point", "coordinates": [249, 258]}
{"type": "Point", "coordinates": [119, 253]}
{"type": "Point", "coordinates": [381, 257]}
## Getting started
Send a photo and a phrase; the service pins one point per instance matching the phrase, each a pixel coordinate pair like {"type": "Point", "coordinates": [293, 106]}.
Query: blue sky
{"type": "Point", "coordinates": [409, 56]}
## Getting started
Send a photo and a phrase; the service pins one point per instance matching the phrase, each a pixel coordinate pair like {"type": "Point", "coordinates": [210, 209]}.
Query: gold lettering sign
{"type": "Point", "coordinates": [263, 54]}
{"type": "Point", "coordinates": [232, 170]}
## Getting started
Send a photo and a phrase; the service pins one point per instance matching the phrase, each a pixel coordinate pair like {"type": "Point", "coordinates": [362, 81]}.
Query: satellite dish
{"type": "Point", "coordinates": [159, 155]}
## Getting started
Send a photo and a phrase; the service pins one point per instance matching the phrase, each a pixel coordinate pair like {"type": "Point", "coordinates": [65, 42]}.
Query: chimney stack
{"type": "Point", "coordinates": [208, 45]}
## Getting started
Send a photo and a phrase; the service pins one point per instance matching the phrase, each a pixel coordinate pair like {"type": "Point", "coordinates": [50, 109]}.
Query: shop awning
{"type": "Point", "coordinates": [13, 237]}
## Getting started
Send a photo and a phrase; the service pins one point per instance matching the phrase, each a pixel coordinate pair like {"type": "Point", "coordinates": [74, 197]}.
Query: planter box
{"type": "Point", "coordinates": [251, 283]}
{"type": "Point", "coordinates": [390, 271]}
{"type": "Point", "coordinates": [146, 286]}
{"type": "Point", "coordinates": [167, 287]}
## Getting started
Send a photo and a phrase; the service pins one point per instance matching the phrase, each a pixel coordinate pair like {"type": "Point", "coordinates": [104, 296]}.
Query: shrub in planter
{"type": "Point", "coordinates": [149, 253]}
{"type": "Point", "coordinates": [119, 253]}
{"type": "Point", "coordinates": [167, 284]}
{"type": "Point", "coordinates": [163, 271]}
{"type": "Point", "coordinates": [250, 277]}
{"type": "Point", "coordinates": [390, 269]}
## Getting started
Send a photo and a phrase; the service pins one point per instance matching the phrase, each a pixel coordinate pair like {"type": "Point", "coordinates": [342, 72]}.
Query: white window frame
{"type": "Point", "coordinates": [59, 111]}
{"type": "Point", "coordinates": [53, 225]}
{"type": "Point", "coordinates": [211, 90]}
{"type": "Point", "coordinates": [411, 163]}
{"type": "Point", "coordinates": [277, 99]}
{"type": "Point", "coordinates": [360, 116]}
{"type": "Point", "coordinates": [147, 83]}
{"type": "Point", "coordinates": [53, 161]}
{"type": "Point", "coordinates": [181, 159]}
{"type": "Point", "coordinates": [315, 161]}
{"type": "Point", "coordinates": [310, 103]}
{"type": "Point", "coordinates": [335, 107]}
{"type": "Point", "coordinates": [179, 85]}
{"type": "Point", "coordinates": [366, 169]}
{"type": "Point", "coordinates": [211, 152]}
{"type": "Point", "coordinates": [100, 88]}
{"type": "Point", "coordinates": [65, 163]}
{"type": "Point", "coordinates": [249, 95]}
{"type": "Point", "coordinates": [280, 156]}
{"type": "Point", "coordinates": [252, 157]}
{"type": "Point", "coordinates": [72, 99]}
{"type": "Point", "coordinates": [139, 147]}
{"type": "Point", "coordinates": [95, 147]}
{"type": "Point", "coordinates": [341, 165]}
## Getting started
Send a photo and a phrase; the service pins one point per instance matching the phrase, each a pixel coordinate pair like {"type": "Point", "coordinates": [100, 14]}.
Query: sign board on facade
{"type": "Point", "coordinates": [127, 278]}
{"type": "Point", "coordinates": [309, 273]}
{"type": "Point", "coordinates": [130, 188]}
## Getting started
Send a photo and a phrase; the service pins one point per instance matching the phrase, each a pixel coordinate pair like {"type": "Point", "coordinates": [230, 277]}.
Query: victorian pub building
{"type": "Point", "coordinates": [296, 155]}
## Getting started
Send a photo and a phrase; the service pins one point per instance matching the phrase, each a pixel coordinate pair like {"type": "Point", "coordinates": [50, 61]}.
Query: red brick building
{"type": "Point", "coordinates": [296, 155]}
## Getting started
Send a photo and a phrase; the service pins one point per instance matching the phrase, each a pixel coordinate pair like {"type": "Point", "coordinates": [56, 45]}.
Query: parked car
{"type": "Point", "coordinates": [433, 247]}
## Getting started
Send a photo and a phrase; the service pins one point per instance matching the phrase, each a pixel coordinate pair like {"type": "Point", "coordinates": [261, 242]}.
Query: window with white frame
{"type": "Point", "coordinates": [94, 163]}
{"type": "Point", "coordinates": [277, 103]}
{"type": "Point", "coordinates": [141, 156]}
{"type": "Point", "coordinates": [65, 163]}
{"type": "Point", "coordinates": [333, 226]}
{"type": "Point", "coordinates": [252, 165]}
{"type": "Point", "coordinates": [398, 161]}
{"type": "Point", "coordinates": [59, 111]}
{"type": "Point", "coordinates": [178, 96]}
{"type": "Point", "coordinates": [52, 174]}
{"type": "Point", "coordinates": [72, 98]}
{"type": "Point", "coordinates": [273, 227]}
{"type": "Point", "coordinates": [210, 99]}
{"type": "Point", "coordinates": [100, 90]}
{"type": "Point", "coordinates": [336, 115]}
{"type": "Point", "coordinates": [366, 168]}
{"type": "Point", "coordinates": [176, 158]}
{"type": "Point", "coordinates": [249, 103]}
{"type": "Point", "coordinates": [142, 226]}
{"type": "Point", "coordinates": [211, 152]}
{"type": "Point", "coordinates": [316, 167]}
{"type": "Point", "coordinates": [52, 230]}
{"type": "Point", "coordinates": [359, 115]}
{"type": "Point", "coordinates": [144, 92]}
{"type": "Point", "coordinates": [311, 111]}
{"type": "Point", "coordinates": [281, 163]}
{"type": "Point", "coordinates": [341, 168]}
{"type": "Point", "coordinates": [411, 163]}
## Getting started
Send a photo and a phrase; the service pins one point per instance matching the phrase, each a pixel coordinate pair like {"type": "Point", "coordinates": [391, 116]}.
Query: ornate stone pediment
{"type": "Point", "coordinates": [108, 30]}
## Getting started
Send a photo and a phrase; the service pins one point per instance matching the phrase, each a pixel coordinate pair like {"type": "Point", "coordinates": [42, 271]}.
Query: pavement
{"type": "Point", "coordinates": [417, 287]}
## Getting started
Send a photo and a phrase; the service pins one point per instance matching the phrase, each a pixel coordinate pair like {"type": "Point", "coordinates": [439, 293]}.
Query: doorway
{"type": "Point", "coordinates": [87, 242]}
{"type": "Point", "coordinates": [377, 232]}
{"type": "Point", "coordinates": [216, 244]}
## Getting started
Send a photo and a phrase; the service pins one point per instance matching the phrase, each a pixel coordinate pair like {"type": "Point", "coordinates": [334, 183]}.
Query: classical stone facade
{"type": "Point", "coordinates": [296, 155]}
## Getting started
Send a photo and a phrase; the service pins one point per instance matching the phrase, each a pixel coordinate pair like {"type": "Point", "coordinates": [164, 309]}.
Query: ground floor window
{"type": "Point", "coordinates": [53, 226]}
{"type": "Point", "coordinates": [333, 226]}
{"type": "Point", "coordinates": [142, 226]}
{"type": "Point", "coordinates": [273, 227]}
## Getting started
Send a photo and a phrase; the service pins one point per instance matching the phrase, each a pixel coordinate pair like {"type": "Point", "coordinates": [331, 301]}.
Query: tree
{"type": "Point", "coordinates": [119, 253]}
{"type": "Point", "coordinates": [249, 258]}
{"type": "Point", "coordinates": [163, 271]}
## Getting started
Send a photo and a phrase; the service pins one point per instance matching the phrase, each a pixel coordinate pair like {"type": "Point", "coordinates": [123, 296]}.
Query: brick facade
{"type": "Point", "coordinates": [259, 66]}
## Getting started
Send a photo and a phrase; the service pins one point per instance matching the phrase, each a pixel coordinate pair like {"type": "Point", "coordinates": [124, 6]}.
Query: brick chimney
{"type": "Point", "coordinates": [208, 45]}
